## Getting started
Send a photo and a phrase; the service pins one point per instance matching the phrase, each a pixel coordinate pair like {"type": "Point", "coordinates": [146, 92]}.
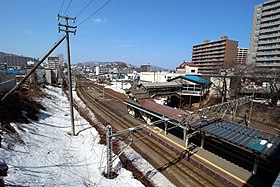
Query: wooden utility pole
{"type": "Point", "coordinates": [67, 30]}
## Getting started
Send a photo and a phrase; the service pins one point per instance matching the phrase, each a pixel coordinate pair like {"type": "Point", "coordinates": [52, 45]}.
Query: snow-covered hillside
{"type": "Point", "coordinates": [43, 154]}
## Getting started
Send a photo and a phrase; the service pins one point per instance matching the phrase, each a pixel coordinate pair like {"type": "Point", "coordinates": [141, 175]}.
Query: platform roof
{"type": "Point", "coordinates": [163, 110]}
{"type": "Point", "coordinates": [249, 138]}
{"type": "Point", "coordinates": [139, 94]}
{"type": "Point", "coordinates": [193, 78]}
{"type": "Point", "coordinates": [154, 85]}
{"type": "Point", "coordinates": [159, 110]}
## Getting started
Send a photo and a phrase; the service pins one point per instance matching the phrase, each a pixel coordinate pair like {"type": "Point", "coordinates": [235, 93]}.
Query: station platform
{"type": "Point", "coordinates": [227, 170]}
{"type": "Point", "coordinates": [248, 145]}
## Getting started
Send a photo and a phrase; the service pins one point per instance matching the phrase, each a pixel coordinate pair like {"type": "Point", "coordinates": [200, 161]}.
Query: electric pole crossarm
{"type": "Point", "coordinates": [69, 26]}
{"type": "Point", "coordinates": [74, 32]}
{"type": "Point", "coordinates": [66, 17]}
{"type": "Point", "coordinates": [33, 69]}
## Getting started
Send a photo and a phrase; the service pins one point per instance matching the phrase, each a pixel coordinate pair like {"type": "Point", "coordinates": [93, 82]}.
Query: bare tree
{"type": "Point", "coordinates": [220, 84]}
{"type": "Point", "coordinates": [251, 73]}
{"type": "Point", "coordinates": [272, 77]}
{"type": "Point", "coordinates": [222, 80]}
{"type": "Point", "coordinates": [240, 72]}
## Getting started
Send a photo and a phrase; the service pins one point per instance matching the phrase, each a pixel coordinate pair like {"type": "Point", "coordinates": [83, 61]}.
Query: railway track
{"type": "Point", "coordinates": [177, 169]}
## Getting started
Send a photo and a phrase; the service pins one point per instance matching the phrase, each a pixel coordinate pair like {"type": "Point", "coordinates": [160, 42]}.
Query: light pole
{"type": "Point", "coordinates": [251, 108]}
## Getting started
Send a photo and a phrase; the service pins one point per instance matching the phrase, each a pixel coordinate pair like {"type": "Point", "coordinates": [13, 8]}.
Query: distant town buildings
{"type": "Point", "coordinates": [211, 56]}
{"type": "Point", "coordinates": [16, 61]}
{"type": "Point", "coordinates": [145, 67]}
{"type": "Point", "coordinates": [156, 76]}
{"type": "Point", "coordinates": [208, 58]}
{"type": "Point", "coordinates": [102, 69]}
{"type": "Point", "coordinates": [242, 55]}
{"type": "Point", "coordinates": [53, 63]}
{"type": "Point", "coordinates": [265, 36]}
{"type": "Point", "coordinates": [54, 69]}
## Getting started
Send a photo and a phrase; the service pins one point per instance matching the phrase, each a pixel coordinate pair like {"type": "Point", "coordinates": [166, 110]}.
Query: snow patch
{"type": "Point", "coordinates": [119, 86]}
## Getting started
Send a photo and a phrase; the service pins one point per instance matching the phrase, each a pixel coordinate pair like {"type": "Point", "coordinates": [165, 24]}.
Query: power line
{"type": "Point", "coordinates": [84, 8]}
{"type": "Point", "coordinates": [95, 12]}
{"type": "Point", "coordinates": [61, 6]}
{"type": "Point", "coordinates": [67, 7]}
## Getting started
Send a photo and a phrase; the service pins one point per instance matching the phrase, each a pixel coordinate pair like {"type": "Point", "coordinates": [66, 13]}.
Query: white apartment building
{"type": "Point", "coordinates": [265, 36]}
{"type": "Point", "coordinates": [242, 55]}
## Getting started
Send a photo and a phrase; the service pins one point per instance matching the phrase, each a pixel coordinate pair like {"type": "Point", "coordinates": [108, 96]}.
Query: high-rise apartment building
{"type": "Point", "coordinates": [265, 36]}
{"type": "Point", "coordinates": [242, 55]}
{"type": "Point", "coordinates": [211, 56]}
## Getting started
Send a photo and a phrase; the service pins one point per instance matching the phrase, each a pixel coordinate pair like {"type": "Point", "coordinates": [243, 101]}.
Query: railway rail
{"type": "Point", "coordinates": [175, 167]}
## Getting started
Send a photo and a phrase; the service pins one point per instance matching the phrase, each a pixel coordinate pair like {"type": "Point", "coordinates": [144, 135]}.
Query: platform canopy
{"type": "Point", "coordinates": [249, 138]}
{"type": "Point", "coordinates": [154, 85]}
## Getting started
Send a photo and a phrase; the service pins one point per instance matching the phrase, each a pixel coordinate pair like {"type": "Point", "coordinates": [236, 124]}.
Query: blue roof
{"type": "Point", "coordinates": [196, 79]}
{"type": "Point", "coordinates": [252, 139]}
{"type": "Point", "coordinates": [17, 71]}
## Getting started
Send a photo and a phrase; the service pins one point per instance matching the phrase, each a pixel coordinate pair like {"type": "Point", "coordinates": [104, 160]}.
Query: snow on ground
{"type": "Point", "coordinates": [48, 156]}
{"type": "Point", "coordinates": [149, 171]}
{"type": "Point", "coordinates": [51, 157]}
{"type": "Point", "coordinates": [119, 86]}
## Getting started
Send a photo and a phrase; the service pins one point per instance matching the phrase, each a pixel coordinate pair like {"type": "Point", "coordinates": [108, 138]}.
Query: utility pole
{"type": "Point", "coordinates": [67, 30]}
{"type": "Point", "coordinates": [109, 136]}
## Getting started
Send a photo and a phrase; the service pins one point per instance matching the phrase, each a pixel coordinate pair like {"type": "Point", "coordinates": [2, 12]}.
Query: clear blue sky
{"type": "Point", "coordinates": [159, 32]}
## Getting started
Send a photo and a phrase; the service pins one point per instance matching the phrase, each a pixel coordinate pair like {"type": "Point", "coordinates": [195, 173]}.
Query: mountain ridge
{"type": "Point", "coordinates": [97, 63]}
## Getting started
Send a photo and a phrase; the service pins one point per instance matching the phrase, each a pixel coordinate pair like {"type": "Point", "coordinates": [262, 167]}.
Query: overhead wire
{"type": "Point", "coordinates": [67, 7]}
{"type": "Point", "coordinates": [61, 7]}
{"type": "Point", "coordinates": [95, 12]}
{"type": "Point", "coordinates": [84, 8]}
